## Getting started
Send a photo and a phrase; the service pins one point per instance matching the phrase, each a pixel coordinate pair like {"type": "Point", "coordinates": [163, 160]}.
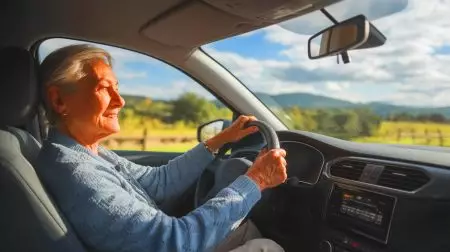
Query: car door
{"type": "Point", "coordinates": [163, 106]}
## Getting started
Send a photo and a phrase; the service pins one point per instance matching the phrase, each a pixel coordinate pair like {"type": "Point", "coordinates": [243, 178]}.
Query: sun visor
{"type": "Point", "coordinates": [196, 23]}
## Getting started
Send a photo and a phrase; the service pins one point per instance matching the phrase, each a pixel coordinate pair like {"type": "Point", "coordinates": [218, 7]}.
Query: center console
{"type": "Point", "coordinates": [354, 216]}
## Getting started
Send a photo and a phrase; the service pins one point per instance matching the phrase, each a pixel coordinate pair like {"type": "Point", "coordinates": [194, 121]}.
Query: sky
{"type": "Point", "coordinates": [412, 68]}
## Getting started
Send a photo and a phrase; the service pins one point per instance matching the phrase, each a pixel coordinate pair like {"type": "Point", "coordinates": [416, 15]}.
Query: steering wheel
{"type": "Point", "coordinates": [222, 172]}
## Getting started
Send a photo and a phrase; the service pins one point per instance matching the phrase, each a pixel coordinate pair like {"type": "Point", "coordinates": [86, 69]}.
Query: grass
{"type": "Point", "coordinates": [418, 127]}
{"type": "Point", "coordinates": [412, 133]}
{"type": "Point", "coordinates": [387, 133]}
{"type": "Point", "coordinates": [178, 132]}
{"type": "Point", "coordinates": [159, 132]}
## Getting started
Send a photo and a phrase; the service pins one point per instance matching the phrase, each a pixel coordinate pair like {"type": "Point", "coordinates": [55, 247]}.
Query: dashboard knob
{"type": "Point", "coordinates": [325, 246]}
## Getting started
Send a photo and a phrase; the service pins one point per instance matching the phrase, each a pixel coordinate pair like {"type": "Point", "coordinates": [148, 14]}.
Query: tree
{"type": "Point", "coordinates": [341, 123]}
{"type": "Point", "coordinates": [192, 108]}
{"type": "Point", "coordinates": [369, 121]}
{"type": "Point", "coordinates": [326, 122]}
{"type": "Point", "coordinates": [439, 118]}
{"type": "Point", "coordinates": [128, 118]}
{"type": "Point", "coordinates": [352, 126]}
{"type": "Point", "coordinates": [403, 116]}
{"type": "Point", "coordinates": [301, 119]}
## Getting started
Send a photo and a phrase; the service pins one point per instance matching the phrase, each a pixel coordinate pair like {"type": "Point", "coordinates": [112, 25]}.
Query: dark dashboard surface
{"type": "Point", "coordinates": [357, 197]}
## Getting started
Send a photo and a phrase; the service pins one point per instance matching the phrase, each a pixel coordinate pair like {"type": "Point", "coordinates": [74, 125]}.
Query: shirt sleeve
{"type": "Point", "coordinates": [108, 218]}
{"type": "Point", "coordinates": [171, 180]}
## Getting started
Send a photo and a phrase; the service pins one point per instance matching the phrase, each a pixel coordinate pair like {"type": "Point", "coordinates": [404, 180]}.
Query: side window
{"type": "Point", "coordinates": [163, 106]}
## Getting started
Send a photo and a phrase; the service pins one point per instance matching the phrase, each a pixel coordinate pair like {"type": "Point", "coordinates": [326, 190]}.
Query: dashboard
{"type": "Point", "coordinates": [352, 197]}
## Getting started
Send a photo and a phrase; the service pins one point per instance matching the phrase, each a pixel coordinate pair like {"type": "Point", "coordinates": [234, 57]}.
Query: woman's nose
{"type": "Point", "coordinates": [117, 99]}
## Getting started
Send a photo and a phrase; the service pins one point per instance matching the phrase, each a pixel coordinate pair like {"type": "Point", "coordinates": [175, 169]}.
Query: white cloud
{"type": "Point", "coordinates": [123, 74]}
{"type": "Point", "coordinates": [405, 70]}
{"type": "Point", "coordinates": [166, 91]}
{"type": "Point", "coordinates": [312, 23]}
{"type": "Point", "coordinates": [136, 81]}
{"type": "Point", "coordinates": [333, 86]}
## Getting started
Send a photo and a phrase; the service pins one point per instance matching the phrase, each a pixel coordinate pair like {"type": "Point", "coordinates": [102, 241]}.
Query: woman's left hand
{"type": "Point", "coordinates": [234, 133]}
{"type": "Point", "coordinates": [237, 130]}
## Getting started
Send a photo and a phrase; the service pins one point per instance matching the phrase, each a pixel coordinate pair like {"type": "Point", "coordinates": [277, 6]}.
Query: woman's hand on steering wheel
{"type": "Point", "coordinates": [269, 169]}
{"type": "Point", "coordinates": [238, 129]}
{"type": "Point", "coordinates": [234, 133]}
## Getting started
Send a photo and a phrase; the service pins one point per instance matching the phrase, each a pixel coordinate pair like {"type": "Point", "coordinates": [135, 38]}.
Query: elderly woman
{"type": "Point", "coordinates": [111, 202]}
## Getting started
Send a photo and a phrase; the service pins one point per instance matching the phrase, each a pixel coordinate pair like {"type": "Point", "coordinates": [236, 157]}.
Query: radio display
{"type": "Point", "coordinates": [360, 211]}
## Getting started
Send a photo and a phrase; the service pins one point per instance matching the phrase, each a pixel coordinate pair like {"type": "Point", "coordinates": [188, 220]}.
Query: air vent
{"type": "Point", "coordinates": [348, 169]}
{"type": "Point", "coordinates": [402, 178]}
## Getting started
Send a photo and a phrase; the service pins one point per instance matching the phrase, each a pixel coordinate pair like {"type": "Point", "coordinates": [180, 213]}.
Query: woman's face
{"type": "Point", "coordinates": [92, 108]}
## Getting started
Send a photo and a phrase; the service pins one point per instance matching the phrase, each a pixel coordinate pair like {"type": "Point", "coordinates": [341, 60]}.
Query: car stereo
{"type": "Point", "coordinates": [359, 211]}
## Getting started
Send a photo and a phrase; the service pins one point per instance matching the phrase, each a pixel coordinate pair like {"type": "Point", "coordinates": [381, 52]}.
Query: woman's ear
{"type": "Point", "coordinates": [56, 100]}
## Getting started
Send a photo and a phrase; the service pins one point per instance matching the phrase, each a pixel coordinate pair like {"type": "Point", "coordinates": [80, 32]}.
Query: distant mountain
{"type": "Point", "coordinates": [384, 109]}
{"type": "Point", "coordinates": [305, 100]}
{"type": "Point", "coordinates": [311, 101]}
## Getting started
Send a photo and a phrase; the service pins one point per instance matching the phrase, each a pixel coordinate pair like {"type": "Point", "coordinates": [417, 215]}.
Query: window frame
{"type": "Point", "coordinates": [34, 49]}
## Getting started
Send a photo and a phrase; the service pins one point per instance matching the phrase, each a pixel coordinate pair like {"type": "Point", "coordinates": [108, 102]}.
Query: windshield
{"type": "Point", "coordinates": [398, 93]}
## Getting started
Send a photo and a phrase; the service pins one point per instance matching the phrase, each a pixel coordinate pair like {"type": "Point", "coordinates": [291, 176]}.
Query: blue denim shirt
{"type": "Point", "coordinates": [112, 203]}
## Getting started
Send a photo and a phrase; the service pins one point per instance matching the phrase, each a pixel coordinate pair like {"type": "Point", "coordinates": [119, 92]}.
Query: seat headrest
{"type": "Point", "coordinates": [18, 86]}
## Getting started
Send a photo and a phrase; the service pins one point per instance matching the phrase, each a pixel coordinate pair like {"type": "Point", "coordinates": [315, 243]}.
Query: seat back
{"type": "Point", "coordinates": [29, 146]}
{"type": "Point", "coordinates": [29, 221]}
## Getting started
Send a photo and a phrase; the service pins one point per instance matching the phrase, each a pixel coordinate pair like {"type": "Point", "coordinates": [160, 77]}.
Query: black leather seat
{"type": "Point", "coordinates": [29, 221]}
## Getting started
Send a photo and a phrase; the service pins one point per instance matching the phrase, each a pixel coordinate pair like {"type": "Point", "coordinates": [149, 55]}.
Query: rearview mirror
{"type": "Point", "coordinates": [338, 38]}
{"type": "Point", "coordinates": [211, 129]}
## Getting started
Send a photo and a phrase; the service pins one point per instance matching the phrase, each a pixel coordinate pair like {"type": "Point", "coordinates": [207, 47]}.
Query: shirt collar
{"type": "Point", "coordinates": [55, 136]}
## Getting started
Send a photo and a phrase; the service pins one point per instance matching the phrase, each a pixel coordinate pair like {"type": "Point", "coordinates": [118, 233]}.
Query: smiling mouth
{"type": "Point", "coordinates": [111, 116]}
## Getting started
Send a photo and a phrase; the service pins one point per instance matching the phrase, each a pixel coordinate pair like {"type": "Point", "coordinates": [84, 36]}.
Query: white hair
{"type": "Point", "coordinates": [65, 67]}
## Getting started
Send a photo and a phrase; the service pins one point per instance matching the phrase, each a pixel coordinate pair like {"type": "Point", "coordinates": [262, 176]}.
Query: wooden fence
{"type": "Point", "coordinates": [426, 136]}
{"type": "Point", "coordinates": [145, 140]}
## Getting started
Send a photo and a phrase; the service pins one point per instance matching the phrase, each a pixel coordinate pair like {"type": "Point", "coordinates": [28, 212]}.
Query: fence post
{"type": "Point", "coordinates": [413, 135]}
{"type": "Point", "coordinates": [441, 137]}
{"type": "Point", "coordinates": [144, 140]}
{"type": "Point", "coordinates": [427, 138]}
{"type": "Point", "coordinates": [399, 135]}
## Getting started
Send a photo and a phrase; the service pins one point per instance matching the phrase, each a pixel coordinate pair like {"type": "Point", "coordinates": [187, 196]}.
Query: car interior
{"type": "Point", "coordinates": [339, 196]}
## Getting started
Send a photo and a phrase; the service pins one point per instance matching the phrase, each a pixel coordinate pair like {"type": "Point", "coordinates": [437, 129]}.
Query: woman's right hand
{"type": "Point", "coordinates": [269, 169]}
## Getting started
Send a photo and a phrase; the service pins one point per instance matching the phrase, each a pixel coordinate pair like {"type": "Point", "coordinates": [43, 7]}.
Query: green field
{"type": "Point", "coordinates": [157, 143]}
{"type": "Point", "coordinates": [411, 133]}
{"type": "Point", "coordinates": [433, 134]}
{"type": "Point", "coordinates": [170, 125]}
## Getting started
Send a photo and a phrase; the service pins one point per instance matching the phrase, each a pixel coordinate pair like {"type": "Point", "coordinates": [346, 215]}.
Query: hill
{"type": "Point", "coordinates": [384, 109]}
{"type": "Point", "coordinates": [304, 100]}
{"type": "Point", "coordinates": [311, 101]}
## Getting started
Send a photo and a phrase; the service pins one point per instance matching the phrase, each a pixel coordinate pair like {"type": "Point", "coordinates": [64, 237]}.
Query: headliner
{"type": "Point", "coordinates": [164, 29]}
